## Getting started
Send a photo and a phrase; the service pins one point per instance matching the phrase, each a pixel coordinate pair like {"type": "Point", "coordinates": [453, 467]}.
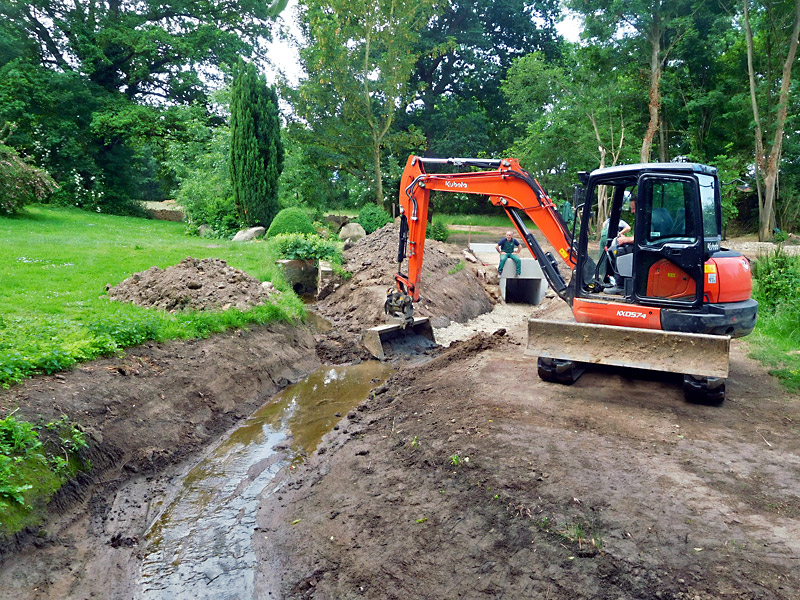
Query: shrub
{"type": "Point", "coordinates": [298, 246]}
{"type": "Point", "coordinates": [372, 217]}
{"type": "Point", "coordinates": [777, 279]}
{"type": "Point", "coordinates": [438, 231]}
{"type": "Point", "coordinates": [217, 213]}
{"type": "Point", "coordinates": [291, 220]}
{"type": "Point", "coordinates": [20, 181]}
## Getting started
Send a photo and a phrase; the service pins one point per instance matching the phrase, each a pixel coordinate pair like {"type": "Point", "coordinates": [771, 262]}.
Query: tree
{"type": "Point", "coordinates": [657, 26]}
{"type": "Point", "coordinates": [98, 88]}
{"type": "Point", "coordinates": [464, 54]}
{"type": "Point", "coordinates": [359, 58]}
{"type": "Point", "coordinates": [151, 48]}
{"type": "Point", "coordinates": [768, 155]}
{"type": "Point", "coordinates": [576, 114]}
{"type": "Point", "coordinates": [256, 148]}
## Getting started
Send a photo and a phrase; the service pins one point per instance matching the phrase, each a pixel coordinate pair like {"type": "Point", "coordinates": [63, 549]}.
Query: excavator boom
{"type": "Point", "coordinates": [507, 185]}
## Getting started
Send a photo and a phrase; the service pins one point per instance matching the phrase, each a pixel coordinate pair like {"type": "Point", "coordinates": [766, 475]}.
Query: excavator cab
{"type": "Point", "coordinates": [674, 262]}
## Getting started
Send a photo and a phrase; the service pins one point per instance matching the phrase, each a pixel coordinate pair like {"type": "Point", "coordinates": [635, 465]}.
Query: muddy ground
{"type": "Point", "coordinates": [465, 476]}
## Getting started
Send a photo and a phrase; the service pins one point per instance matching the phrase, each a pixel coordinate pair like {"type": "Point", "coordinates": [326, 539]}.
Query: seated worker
{"type": "Point", "coordinates": [623, 239]}
{"type": "Point", "coordinates": [508, 247]}
{"type": "Point", "coordinates": [620, 247]}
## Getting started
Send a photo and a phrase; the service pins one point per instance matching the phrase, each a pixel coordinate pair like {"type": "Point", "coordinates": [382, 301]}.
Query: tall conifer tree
{"type": "Point", "coordinates": [256, 148]}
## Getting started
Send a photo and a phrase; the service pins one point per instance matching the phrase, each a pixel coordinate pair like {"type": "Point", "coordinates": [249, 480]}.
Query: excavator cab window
{"type": "Point", "coordinates": [710, 207]}
{"type": "Point", "coordinates": [668, 252]}
{"type": "Point", "coordinates": [671, 214]}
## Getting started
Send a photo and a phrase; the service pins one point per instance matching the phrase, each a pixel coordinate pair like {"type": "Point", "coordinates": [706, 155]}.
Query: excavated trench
{"type": "Point", "coordinates": [380, 509]}
{"type": "Point", "coordinates": [199, 546]}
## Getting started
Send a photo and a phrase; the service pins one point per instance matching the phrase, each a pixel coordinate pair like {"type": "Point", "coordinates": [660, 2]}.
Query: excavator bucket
{"type": "Point", "coordinates": [385, 341]}
{"type": "Point", "coordinates": [695, 354]}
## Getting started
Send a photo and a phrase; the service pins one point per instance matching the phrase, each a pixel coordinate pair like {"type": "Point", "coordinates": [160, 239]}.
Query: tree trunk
{"type": "Point", "coordinates": [376, 156]}
{"type": "Point", "coordinates": [767, 165]}
{"type": "Point", "coordinates": [602, 191]}
{"type": "Point", "coordinates": [663, 147]}
{"type": "Point", "coordinates": [655, 94]}
{"type": "Point", "coordinates": [766, 217]}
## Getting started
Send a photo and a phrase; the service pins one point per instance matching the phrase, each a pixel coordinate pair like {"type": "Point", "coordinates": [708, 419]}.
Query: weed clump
{"type": "Point", "coordinates": [777, 278]}
{"type": "Point", "coordinates": [777, 335]}
{"type": "Point", "coordinates": [34, 466]}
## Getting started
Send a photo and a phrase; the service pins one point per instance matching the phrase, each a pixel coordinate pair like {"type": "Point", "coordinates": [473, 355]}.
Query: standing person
{"type": "Point", "coordinates": [508, 247]}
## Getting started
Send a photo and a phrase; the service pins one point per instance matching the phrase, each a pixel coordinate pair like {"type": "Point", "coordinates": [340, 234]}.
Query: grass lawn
{"type": "Point", "coordinates": [776, 344]}
{"type": "Point", "coordinates": [56, 262]}
{"type": "Point", "coordinates": [459, 222]}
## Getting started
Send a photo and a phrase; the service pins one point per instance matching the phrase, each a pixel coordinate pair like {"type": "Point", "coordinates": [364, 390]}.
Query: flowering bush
{"type": "Point", "coordinates": [20, 181]}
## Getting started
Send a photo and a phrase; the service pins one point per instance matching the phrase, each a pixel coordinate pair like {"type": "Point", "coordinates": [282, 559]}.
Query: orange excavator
{"type": "Point", "coordinates": [669, 301]}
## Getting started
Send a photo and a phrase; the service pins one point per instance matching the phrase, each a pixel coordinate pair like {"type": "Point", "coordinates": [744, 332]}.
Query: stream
{"type": "Point", "coordinates": [199, 546]}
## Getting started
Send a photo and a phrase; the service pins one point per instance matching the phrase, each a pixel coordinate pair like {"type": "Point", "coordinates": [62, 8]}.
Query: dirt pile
{"type": "Point", "coordinates": [193, 284]}
{"type": "Point", "coordinates": [448, 291]}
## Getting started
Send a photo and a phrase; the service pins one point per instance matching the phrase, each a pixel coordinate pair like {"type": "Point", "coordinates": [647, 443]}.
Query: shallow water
{"type": "Point", "coordinates": [200, 545]}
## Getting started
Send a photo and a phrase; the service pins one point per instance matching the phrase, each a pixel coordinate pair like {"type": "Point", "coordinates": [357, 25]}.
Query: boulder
{"type": "Point", "coordinates": [353, 231]}
{"type": "Point", "coordinates": [337, 221]}
{"type": "Point", "coordinates": [245, 235]}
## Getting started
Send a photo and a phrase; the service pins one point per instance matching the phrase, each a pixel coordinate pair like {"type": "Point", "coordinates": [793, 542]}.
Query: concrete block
{"type": "Point", "coordinates": [483, 248]}
{"type": "Point", "coordinates": [529, 288]}
{"type": "Point", "coordinates": [300, 274]}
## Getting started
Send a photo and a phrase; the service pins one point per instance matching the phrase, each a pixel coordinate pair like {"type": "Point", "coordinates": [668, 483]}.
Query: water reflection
{"type": "Point", "coordinates": [199, 547]}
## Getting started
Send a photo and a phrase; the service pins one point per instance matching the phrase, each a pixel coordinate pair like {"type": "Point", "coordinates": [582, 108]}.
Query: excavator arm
{"type": "Point", "coordinates": [508, 186]}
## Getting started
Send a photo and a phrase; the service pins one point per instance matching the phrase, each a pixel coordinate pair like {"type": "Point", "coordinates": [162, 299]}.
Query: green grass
{"type": "Point", "coordinates": [459, 267]}
{"type": "Point", "coordinates": [56, 262]}
{"type": "Point", "coordinates": [776, 343]}
{"type": "Point", "coordinates": [776, 339]}
{"type": "Point", "coordinates": [455, 222]}
{"type": "Point", "coordinates": [35, 461]}
{"type": "Point", "coordinates": [498, 220]}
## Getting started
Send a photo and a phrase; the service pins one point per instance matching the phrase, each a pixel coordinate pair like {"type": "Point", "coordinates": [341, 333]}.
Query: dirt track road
{"type": "Point", "coordinates": [612, 488]}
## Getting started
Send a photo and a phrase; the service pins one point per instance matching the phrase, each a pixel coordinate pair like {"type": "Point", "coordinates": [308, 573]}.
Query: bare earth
{"type": "Point", "coordinates": [463, 477]}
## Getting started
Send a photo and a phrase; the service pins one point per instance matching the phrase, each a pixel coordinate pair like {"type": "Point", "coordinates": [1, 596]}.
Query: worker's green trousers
{"type": "Point", "coordinates": [514, 257]}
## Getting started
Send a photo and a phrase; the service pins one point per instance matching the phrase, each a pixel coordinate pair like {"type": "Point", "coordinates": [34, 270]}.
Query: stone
{"type": "Point", "coordinates": [353, 231]}
{"type": "Point", "coordinates": [246, 235]}
{"type": "Point", "coordinates": [337, 221]}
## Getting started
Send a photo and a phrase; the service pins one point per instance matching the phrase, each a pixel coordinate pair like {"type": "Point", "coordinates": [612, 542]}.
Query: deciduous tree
{"type": "Point", "coordinates": [359, 58]}
{"type": "Point", "coordinates": [780, 29]}
{"type": "Point", "coordinates": [650, 29]}
{"type": "Point", "coordinates": [578, 114]}
{"type": "Point", "coordinates": [464, 53]}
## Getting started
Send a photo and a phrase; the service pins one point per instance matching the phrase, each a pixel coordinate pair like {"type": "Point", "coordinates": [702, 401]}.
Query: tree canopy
{"type": "Point", "coordinates": [101, 94]}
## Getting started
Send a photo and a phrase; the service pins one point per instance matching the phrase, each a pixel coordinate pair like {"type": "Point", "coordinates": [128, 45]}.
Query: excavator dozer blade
{"type": "Point", "coordinates": [392, 339]}
{"type": "Point", "coordinates": [688, 353]}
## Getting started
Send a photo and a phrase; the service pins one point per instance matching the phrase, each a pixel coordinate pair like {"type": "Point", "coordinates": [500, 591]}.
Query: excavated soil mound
{"type": "Point", "coordinates": [192, 284]}
{"type": "Point", "coordinates": [448, 292]}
